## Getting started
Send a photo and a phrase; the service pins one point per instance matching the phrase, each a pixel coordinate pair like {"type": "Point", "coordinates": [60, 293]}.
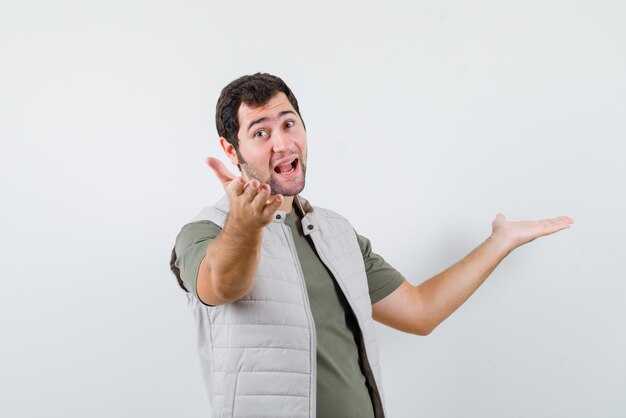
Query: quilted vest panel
{"type": "Point", "coordinates": [258, 354]}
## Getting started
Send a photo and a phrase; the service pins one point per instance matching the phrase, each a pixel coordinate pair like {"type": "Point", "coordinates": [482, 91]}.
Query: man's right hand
{"type": "Point", "coordinates": [251, 205]}
{"type": "Point", "coordinates": [228, 269]}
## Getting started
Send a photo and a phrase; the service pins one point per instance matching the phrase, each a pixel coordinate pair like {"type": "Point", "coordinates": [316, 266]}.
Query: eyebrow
{"type": "Point", "coordinates": [265, 118]}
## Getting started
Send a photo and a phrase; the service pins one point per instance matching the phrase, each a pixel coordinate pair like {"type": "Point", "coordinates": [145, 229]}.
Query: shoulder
{"type": "Point", "coordinates": [327, 213]}
{"type": "Point", "coordinates": [207, 224]}
{"type": "Point", "coordinates": [331, 219]}
{"type": "Point", "coordinates": [215, 213]}
{"type": "Point", "coordinates": [332, 223]}
{"type": "Point", "coordinates": [320, 212]}
{"type": "Point", "coordinates": [336, 218]}
{"type": "Point", "coordinates": [195, 232]}
{"type": "Point", "coordinates": [201, 225]}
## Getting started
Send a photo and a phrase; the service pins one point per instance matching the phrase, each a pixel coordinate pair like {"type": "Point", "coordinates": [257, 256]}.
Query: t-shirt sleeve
{"type": "Point", "coordinates": [382, 278]}
{"type": "Point", "coordinates": [190, 248]}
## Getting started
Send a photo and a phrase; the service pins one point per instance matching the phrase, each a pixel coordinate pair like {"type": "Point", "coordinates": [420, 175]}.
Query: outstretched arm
{"type": "Point", "coordinates": [227, 271]}
{"type": "Point", "coordinates": [419, 309]}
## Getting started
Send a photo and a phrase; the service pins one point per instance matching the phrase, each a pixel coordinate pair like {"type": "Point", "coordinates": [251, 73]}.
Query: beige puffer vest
{"type": "Point", "coordinates": [258, 354]}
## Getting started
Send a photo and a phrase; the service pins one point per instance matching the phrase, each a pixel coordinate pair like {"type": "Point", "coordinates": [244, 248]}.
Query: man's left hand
{"type": "Point", "coordinates": [515, 234]}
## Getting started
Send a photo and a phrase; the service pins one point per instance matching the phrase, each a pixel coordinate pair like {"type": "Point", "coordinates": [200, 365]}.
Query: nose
{"type": "Point", "coordinates": [281, 142]}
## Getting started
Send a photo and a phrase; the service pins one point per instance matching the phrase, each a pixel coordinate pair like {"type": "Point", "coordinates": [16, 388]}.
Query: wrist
{"type": "Point", "coordinates": [239, 229]}
{"type": "Point", "coordinates": [501, 243]}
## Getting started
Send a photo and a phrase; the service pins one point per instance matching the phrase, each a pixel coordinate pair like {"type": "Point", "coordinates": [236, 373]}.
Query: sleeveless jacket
{"type": "Point", "coordinates": [258, 354]}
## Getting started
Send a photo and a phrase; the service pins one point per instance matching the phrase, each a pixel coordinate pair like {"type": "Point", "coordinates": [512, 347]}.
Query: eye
{"type": "Point", "coordinates": [289, 124]}
{"type": "Point", "coordinates": [261, 133]}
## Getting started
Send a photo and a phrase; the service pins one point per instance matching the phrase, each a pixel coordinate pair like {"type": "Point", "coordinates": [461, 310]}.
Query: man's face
{"type": "Point", "coordinates": [272, 145]}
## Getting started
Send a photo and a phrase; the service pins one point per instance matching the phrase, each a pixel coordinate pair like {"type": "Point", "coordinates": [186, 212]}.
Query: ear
{"type": "Point", "coordinates": [229, 150]}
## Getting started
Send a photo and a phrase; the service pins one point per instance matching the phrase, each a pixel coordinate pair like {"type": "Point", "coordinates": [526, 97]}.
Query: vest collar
{"type": "Point", "coordinates": [306, 212]}
{"type": "Point", "coordinates": [309, 221]}
{"type": "Point", "coordinates": [302, 205]}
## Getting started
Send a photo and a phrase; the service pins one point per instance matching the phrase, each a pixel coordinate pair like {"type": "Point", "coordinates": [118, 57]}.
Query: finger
{"type": "Point", "coordinates": [220, 170]}
{"type": "Point", "coordinates": [259, 201]}
{"type": "Point", "coordinates": [565, 219]}
{"type": "Point", "coordinates": [550, 226]}
{"type": "Point", "coordinates": [560, 220]}
{"type": "Point", "coordinates": [235, 187]}
{"type": "Point", "coordinates": [498, 220]}
{"type": "Point", "coordinates": [251, 190]}
{"type": "Point", "coordinates": [273, 205]}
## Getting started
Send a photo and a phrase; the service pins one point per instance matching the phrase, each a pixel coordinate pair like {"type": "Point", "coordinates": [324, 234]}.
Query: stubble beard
{"type": "Point", "coordinates": [274, 181]}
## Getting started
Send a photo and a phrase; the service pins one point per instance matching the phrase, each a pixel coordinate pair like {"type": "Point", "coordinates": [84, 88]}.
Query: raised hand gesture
{"type": "Point", "coordinates": [251, 204]}
{"type": "Point", "coordinates": [514, 234]}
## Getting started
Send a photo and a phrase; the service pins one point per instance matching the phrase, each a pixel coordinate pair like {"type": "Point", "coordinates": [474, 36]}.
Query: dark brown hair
{"type": "Point", "coordinates": [253, 90]}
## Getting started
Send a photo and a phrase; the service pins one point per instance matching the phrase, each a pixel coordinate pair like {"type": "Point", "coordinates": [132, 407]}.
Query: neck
{"type": "Point", "coordinates": [287, 204]}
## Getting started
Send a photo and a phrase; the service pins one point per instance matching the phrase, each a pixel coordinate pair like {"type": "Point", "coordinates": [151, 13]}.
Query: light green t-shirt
{"type": "Point", "coordinates": [341, 385]}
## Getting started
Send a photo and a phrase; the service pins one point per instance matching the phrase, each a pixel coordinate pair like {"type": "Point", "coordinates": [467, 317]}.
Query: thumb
{"type": "Point", "coordinates": [220, 170]}
{"type": "Point", "coordinates": [499, 219]}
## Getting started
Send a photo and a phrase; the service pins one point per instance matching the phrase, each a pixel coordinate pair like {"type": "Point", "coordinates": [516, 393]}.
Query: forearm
{"type": "Point", "coordinates": [445, 292]}
{"type": "Point", "coordinates": [232, 260]}
{"type": "Point", "coordinates": [419, 309]}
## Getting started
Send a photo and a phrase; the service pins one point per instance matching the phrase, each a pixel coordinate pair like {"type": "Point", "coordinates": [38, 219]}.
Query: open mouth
{"type": "Point", "coordinates": [286, 168]}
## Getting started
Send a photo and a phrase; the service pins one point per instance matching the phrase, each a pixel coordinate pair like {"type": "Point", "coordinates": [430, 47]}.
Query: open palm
{"type": "Point", "coordinates": [517, 233]}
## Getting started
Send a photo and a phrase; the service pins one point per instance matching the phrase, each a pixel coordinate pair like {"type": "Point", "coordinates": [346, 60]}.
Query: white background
{"type": "Point", "coordinates": [425, 119]}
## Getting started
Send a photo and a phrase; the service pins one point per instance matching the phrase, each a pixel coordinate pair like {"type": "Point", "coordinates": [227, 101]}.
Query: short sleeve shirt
{"type": "Point", "coordinates": [194, 239]}
{"type": "Point", "coordinates": [339, 367]}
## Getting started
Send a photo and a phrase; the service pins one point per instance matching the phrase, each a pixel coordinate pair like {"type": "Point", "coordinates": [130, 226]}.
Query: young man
{"type": "Point", "coordinates": [285, 293]}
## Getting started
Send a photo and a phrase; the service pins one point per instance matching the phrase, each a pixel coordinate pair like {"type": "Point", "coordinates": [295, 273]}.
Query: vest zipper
{"type": "Point", "coordinates": [307, 308]}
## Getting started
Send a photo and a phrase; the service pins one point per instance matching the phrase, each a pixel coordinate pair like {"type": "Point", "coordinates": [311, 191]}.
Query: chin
{"type": "Point", "coordinates": [287, 189]}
